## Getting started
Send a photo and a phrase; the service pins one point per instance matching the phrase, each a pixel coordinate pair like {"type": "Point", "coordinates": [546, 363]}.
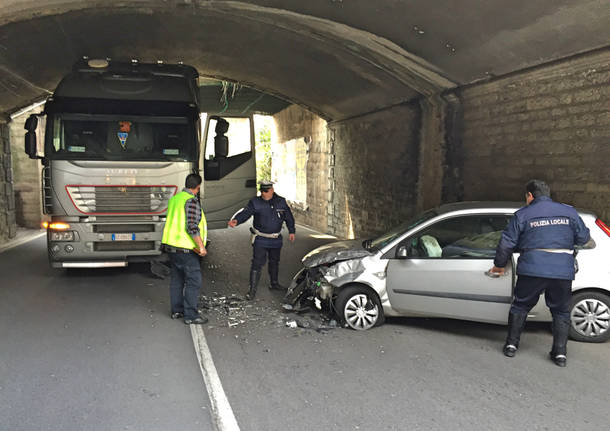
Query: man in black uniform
{"type": "Point", "coordinates": [544, 232]}
{"type": "Point", "coordinates": [270, 211]}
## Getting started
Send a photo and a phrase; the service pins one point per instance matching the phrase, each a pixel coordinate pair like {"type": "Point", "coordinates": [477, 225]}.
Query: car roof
{"type": "Point", "coordinates": [478, 205]}
{"type": "Point", "coordinates": [489, 205]}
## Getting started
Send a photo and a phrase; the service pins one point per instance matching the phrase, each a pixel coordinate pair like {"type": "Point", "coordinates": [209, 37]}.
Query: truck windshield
{"type": "Point", "coordinates": [105, 137]}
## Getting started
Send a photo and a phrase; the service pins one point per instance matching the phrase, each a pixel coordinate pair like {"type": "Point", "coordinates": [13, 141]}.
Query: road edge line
{"type": "Point", "coordinates": [222, 414]}
{"type": "Point", "coordinates": [13, 244]}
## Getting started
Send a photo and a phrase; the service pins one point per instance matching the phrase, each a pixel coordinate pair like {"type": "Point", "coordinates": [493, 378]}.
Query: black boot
{"type": "Point", "coordinates": [254, 277]}
{"type": "Point", "coordinates": [561, 329]}
{"type": "Point", "coordinates": [516, 323]}
{"type": "Point", "coordinates": [274, 269]}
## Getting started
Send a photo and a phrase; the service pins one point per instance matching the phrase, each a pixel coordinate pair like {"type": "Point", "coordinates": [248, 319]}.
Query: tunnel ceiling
{"type": "Point", "coordinates": [339, 58]}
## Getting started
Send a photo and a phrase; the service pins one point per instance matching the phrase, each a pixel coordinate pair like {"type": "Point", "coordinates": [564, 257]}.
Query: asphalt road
{"type": "Point", "coordinates": [96, 350]}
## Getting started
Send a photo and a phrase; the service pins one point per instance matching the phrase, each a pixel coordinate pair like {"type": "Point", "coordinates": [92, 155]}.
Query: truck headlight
{"type": "Point", "coordinates": [67, 235]}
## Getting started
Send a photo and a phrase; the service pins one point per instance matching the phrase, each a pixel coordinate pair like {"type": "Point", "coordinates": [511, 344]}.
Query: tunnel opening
{"type": "Point", "coordinates": [392, 120]}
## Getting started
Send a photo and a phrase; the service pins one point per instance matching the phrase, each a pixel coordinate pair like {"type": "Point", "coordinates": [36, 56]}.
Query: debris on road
{"type": "Point", "coordinates": [234, 310]}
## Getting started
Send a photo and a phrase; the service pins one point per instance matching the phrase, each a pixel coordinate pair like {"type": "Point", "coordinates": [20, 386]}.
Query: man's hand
{"type": "Point", "coordinates": [200, 249]}
{"type": "Point", "coordinates": [291, 237]}
{"type": "Point", "coordinates": [232, 223]}
{"type": "Point", "coordinates": [496, 270]}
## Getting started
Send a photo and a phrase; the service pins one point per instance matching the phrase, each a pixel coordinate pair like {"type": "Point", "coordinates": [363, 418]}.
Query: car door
{"type": "Point", "coordinates": [229, 167]}
{"type": "Point", "coordinates": [440, 270]}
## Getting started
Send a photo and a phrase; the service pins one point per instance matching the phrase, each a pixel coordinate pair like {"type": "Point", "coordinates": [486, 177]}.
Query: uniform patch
{"type": "Point", "coordinates": [549, 222]}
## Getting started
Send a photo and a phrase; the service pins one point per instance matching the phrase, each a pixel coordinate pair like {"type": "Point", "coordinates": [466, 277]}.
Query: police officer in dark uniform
{"type": "Point", "coordinates": [270, 211]}
{"type": "Point", "coordinates": [545, 233]}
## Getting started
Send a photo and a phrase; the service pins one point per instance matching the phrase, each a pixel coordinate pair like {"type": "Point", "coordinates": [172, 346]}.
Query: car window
{"type": "Point", "coordinates": [391, 235]}
{"type": "Point", "coordinates": [459, 237]}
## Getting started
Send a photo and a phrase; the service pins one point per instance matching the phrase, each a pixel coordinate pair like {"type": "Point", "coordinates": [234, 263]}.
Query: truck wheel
{"type": "Point", "coordinates": [359, 308]}
{"type": "Point", "coordinates": [590, 317]}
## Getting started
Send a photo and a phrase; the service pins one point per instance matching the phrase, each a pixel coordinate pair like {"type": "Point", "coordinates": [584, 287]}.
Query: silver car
{"type": "Point", "coordinates": [436, 266]}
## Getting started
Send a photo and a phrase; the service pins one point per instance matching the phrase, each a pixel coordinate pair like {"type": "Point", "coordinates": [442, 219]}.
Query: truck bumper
{"type": "Point", "coordinates": [106, 244]}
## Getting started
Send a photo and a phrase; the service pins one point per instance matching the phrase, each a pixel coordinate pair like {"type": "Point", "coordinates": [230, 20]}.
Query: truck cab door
{"type": "Point", "coordinates": [228, 163]}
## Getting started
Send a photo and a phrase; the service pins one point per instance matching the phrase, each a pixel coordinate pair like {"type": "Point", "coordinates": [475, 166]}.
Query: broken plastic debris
{"type": "Point", "coordinates": [292, 324]}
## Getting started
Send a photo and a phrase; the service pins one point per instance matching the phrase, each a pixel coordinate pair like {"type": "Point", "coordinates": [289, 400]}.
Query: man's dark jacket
{"type": "Point", "coordinates": [543, 224]}
{"type": "Point", "coordinates": [268, 218]}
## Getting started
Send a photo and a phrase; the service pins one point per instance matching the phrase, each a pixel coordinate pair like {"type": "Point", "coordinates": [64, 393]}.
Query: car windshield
{"type": "Point", "coordinates": [105, 137]}
{"type": "Point", "coordinates": [390, 236]}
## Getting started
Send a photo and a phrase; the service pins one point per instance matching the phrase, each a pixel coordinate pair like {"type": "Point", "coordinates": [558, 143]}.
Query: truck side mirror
{"type": "Point", "coordinates": [30, 144]}
{"type": "Point", "coordinates": [35, 130]}
{"type": "Point", "coordinates": [31, 123]}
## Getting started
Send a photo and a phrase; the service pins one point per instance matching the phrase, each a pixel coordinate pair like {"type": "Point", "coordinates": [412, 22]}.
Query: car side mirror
{"type": "Point", "coordinates": [402, 252]}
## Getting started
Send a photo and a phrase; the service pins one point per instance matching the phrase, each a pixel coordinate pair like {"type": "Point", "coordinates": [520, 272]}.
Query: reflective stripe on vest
{"type": "Point", "coordinates": [174, 232]}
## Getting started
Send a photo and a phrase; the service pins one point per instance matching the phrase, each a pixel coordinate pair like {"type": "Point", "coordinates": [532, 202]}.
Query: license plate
{"type": "Point", "coordinates": [123, 236]}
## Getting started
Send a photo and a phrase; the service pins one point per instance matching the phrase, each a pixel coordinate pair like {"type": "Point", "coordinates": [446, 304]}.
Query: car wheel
{"type": "Point", "coordinates": [590, 317]}
{"type": "Point", "coordinates": [359, 308]}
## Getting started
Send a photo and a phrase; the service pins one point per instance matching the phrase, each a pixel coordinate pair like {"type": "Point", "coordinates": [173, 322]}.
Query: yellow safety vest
{"type": "Point", "coordinates": [174, 232]}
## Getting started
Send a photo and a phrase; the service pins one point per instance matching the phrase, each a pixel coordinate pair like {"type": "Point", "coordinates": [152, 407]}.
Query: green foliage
{"type": "Point", "coordinates": [263, 154]}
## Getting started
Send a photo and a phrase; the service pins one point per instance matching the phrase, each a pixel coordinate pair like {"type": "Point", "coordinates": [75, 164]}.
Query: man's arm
{"type": "Point", "coordinates": [289, 219]}
{"type": "Point", "coordinates": [581, 233]}
{"type": "Point", "coordinates": [506, 246]}
{"type": "Point", "coordinates": [242, 215]}
{"type": "Point", "coordinates": [193, 217]}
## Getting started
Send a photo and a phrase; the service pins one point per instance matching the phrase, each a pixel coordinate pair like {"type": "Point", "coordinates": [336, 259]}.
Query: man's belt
{"type": "Point", "coordinates": [171, 249]}
{"type": "Point", "coordinates": [255, 232]}
{"type": "Point", "coordinates": [553, 250]}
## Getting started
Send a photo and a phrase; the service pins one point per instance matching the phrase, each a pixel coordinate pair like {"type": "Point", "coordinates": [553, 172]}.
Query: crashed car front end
{"type": "Point", "coordinates": [328, 269]}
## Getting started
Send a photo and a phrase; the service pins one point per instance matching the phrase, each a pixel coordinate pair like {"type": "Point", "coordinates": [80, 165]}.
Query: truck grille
{"type": "Point", "coordinates": [120, 199]}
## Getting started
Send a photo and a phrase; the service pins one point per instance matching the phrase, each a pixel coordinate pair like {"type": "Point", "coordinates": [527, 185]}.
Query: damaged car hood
{"type": "Point", "coordinates": [335, 252]}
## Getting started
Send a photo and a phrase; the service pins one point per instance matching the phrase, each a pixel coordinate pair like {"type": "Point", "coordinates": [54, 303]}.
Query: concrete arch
{"type": "Point", "coordinates": [348, 71]}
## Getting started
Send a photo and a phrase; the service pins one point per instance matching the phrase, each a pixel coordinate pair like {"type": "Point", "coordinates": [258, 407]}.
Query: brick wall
{"type": "Point", "coordinates": [295, 122]}
{"type": "Point", "coordinates": [8, 226]}
{"type": "Point", "coordinates": [26, 176]}
{"type": "Point", "coordinates": [551, 123]}
{"type": "Point", "coordinates": [375, 171]}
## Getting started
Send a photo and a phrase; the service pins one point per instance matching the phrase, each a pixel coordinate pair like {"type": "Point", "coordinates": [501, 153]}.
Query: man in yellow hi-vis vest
{"type": "Point", "coordinates": [184, 238]}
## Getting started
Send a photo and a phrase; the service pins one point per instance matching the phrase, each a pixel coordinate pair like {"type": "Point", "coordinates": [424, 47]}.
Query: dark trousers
{"type": "Point", "coordinates": [259, 257]}
{"type": "Point", "coordinates": [558, 294]}
{"type": "Point", "coordinates": [184, 284]}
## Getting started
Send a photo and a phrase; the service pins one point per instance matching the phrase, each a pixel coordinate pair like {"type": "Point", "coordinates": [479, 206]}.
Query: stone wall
{"type": "Point", "coordinates": [375, 171]}
{"type": "Point", "coordinates": [551, 123]}
{"type": "Point", "coordinates": [295, 122]}
{"type": "Point", "coordinates": [480, 142]}
{"type": "Point", "coordinates": [26, 176]}
{"type": "Point", "coordinates": [8, 225]}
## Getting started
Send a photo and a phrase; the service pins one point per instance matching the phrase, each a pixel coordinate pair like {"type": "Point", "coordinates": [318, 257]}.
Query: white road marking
{"type": "Point", "coordinates": [222, 414]}
{"type": "Point", "coordinates": [20, 241]}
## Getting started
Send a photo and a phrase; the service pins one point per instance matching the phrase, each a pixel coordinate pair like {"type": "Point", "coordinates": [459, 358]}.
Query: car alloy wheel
{"type": "Point", "coordinates": [359, 309]}
{"type": "Point", "coordinates": [590, 317]}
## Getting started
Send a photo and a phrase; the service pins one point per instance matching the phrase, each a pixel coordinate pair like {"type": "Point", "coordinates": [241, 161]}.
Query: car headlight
{"type": "Point", "coordinates": [324, 290]}
{"type": "Point", "coordinates": [67, 235]}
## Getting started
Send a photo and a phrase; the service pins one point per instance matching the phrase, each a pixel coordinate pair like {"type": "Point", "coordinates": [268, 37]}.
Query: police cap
{"type": "Point", "coordinates": [265, 185]}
